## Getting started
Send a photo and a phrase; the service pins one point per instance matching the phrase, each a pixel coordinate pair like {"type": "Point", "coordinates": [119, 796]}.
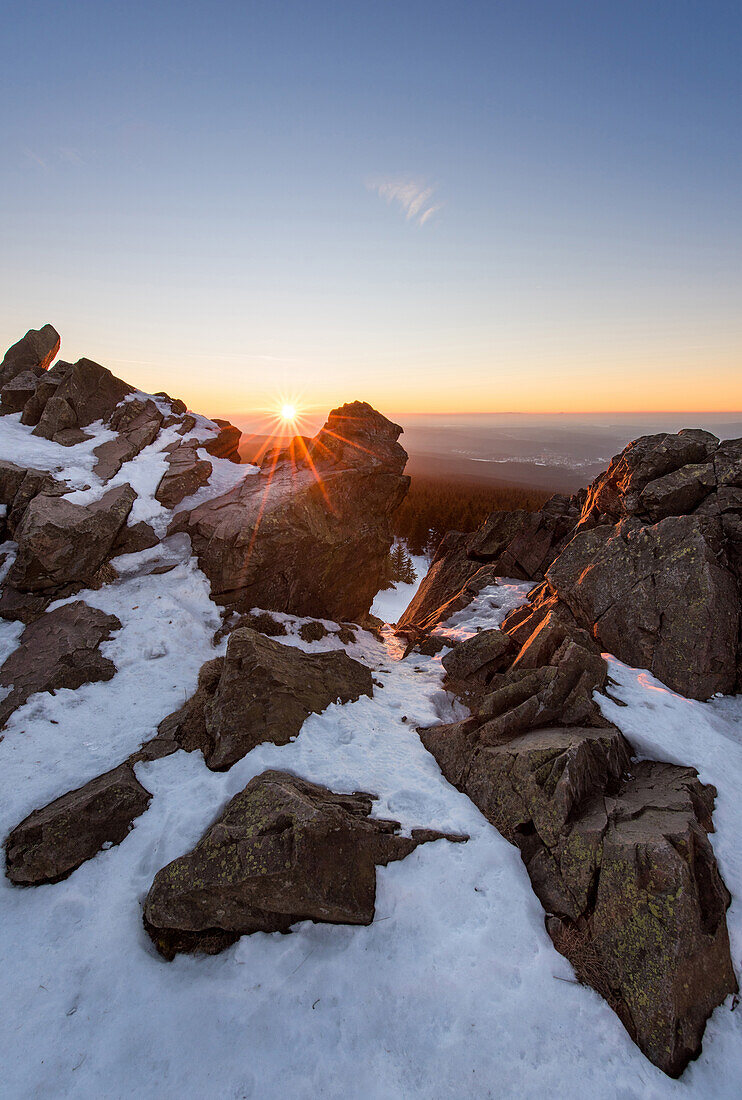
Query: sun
{"type": "Point", "coordinates": [288, 413]}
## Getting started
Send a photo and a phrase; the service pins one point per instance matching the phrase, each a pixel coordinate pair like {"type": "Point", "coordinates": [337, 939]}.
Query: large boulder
{"type": "Point", "coordinates": [34, 352]}
{"type": "Point", "coordinates": [186, 474]}
{"type": "Point", "coordinates": [283, 850]}
{"type": "Point", "coordinates": [310, 533]}
{"type": "Point", "coordinates": [17, 392]}
{"type": "Point", "coordinates": [261, 691]}
{"type": "Point", "coordinates": [226, 443]}
{"type": "Point", "coordinates": [60, 542]}
{"type": "Point", "coordinates": [53, 841]}
{"type": "Point", "coordinates": [88, 392]}
{"type": "Point", "coordinates": [58, 650]}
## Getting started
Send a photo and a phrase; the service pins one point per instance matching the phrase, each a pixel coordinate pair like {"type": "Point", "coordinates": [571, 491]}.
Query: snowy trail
{"type": "Point", "coordinates": [454, 990]}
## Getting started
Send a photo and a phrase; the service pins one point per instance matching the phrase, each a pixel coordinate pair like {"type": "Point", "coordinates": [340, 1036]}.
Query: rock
{"type": "Point", "coordinates": [34, 352]}
{"type": "Point", "coordinates": [52, 842]}
{"type": "Point", "coordinates": [87, 393]}
{"type": "Point", "coordinates": [59, 650]}
{"type": "Point", "coordinates": [21, 607]}
{"type": "Point", "coordinates": [60, 542]}
{"type": "Point", "coordinates": [226, 443]}
{"type": "Point", "coordinates": [658, 926]}
{"type": "Point", "coordinates": [138, 424]}
{"type": "Point", "coordinates": [284, 850]}
{"type": "Point", "coordinates": [310, 533]}
{"type": "Point", "coordinates": [266, 691]}
{"type": "Point", "coordinates": [186, 474]}
{"type": "Point", "coordinates": [678, 492]}
{"type": "Point", "coordinates": [617, 492]}
{"type": "Point", "coordinates": [524, 544]}
{"type": "Point", "coordinates": [35, 483]}
{"type": "Point", "coordinates": [17, 392]}
{"type": "Point", "coordinates": [47, 386]}
{"type": "Point", "coordinates": [135, 538]}
{"type": "Point", "coordinates": [658, 598]}
{"type": "Point", "coordinates": [479, 657]}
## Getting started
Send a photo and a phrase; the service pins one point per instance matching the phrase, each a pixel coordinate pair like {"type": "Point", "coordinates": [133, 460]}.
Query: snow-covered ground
{"type": "Point", "coordinates": [454, 991]}
{"type": "Point", "coordinates": [391, 602]}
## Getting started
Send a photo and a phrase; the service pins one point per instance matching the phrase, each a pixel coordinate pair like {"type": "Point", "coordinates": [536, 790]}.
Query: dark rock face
{"type": "Point", "coordinates": [616, 851]}
{"type": "Point", "coordinates": [310, 533]}
{"type": "Point", "coordinates": [34, 352]}
{"type": "Point", "coordinates": [261, 691]}
{"type": "Point", "coordinates": [186, 474]}
{"type": "Point", "coordinates": [60, 542]}
{"type": "Point", "coordinates": [59, 650]}
{"type": "Point", "coordinates": [17, 392]}
{"type": "Point", "coordinates": [284, 850]}
{"type": "Point", "coordinates": [657, 597]}
{"type": "Point", "coordinates": [87, 392]}
{"type": "Point", "coordinates": [52, 842]}
{"type": "Point", "coordinates": [226, 444]}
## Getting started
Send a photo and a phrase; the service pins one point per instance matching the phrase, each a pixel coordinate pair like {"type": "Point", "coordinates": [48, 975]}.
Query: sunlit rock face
{"type": "Point", "coordinates": [309, 534]}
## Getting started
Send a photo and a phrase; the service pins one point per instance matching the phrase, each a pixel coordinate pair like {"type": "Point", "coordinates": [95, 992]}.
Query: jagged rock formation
{"type": "Point", "coordinates": [260, 691]}
{"type": "Point", "coordinates": [283, 850]}
{"type": "Point", "coordinates": [52, 842]}
{"type": "Point", "coordinates": [311, 532]}
{"type": "Point", "coordinates": [648, 560]}
{"type": "Point", "coordinates": [617, 851]}
{"type": "Point", "coordinates": [31, 355]}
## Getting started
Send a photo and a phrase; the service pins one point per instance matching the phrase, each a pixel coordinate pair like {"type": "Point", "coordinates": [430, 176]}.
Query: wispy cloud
{"type": "Point", "coordinates": [36, 158]}
{"type": "Point", "coordinates": [414, 197]}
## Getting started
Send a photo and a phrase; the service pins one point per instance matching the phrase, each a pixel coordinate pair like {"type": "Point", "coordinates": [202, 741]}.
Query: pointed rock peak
{"type": "Point", "coordinates": [354, 435]}
{"type": "Point", "coordinates": [34, 352]}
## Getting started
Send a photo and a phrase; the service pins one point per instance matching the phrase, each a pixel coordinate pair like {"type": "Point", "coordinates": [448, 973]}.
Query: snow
{"type": "Point", "coordinates": [389, 604]}
{"type": "Point", "coordinates": [455, 989]}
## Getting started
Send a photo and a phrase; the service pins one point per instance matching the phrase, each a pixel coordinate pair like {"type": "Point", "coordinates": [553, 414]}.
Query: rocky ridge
{"type": "Point", "coordinates": [644, 563]}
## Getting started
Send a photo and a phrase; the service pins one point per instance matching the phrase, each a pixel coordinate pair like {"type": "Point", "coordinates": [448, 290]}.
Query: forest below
{"type": "Point", "coordinates": [435, 505]}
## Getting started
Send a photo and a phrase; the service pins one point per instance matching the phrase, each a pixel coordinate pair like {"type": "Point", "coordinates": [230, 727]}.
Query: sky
{"type": "Point", "coordinates": [526, 205]}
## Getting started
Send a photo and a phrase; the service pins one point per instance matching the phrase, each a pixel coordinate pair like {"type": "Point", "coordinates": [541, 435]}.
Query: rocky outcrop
{"type": "Point", "coordinates": [648, 560]}
{"type": "Point", "coordinates": [616, 850]}
{"type": "Point", "coordinates": [310, 533]}
{"type": "Point", "coordinates": [261, 691]}
{"type": "Point", "coordinates": [55, 840]}
{"type": "Point", "coordinates": [60, 542]}
{"type": "Point", "coordinates": [137, 423]}
{"type": "Point", "coordinates": [85, 393]}
{"type": "Point", "coordinates": [34, 352]}
{"type": "Point", "coordinates": [59, 650]}
{"type": "Point", "coordinates": [226, 443]}
{"type": "Point", "coordinates": [284, 850]}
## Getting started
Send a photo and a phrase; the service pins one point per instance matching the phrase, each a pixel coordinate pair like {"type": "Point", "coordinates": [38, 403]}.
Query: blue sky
{"type": "Point", "coordinates": [481, 206]}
